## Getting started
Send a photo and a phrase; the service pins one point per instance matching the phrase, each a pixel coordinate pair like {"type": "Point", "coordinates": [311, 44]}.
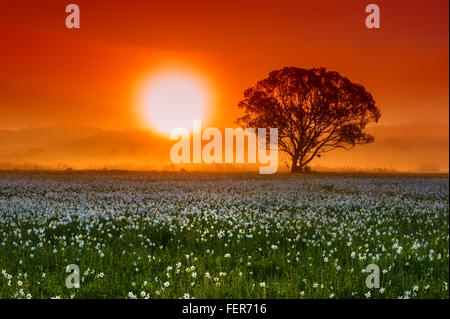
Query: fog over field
{"type": "Point", "coordinates": [411, 147]}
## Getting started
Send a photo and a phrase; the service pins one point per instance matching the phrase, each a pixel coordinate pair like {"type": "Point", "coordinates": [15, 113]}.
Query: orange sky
{"type": "Point", "coordinates": [52, 76]}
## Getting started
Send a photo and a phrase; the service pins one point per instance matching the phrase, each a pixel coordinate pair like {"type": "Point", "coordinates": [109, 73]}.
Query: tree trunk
{"type": "Point", "coordinates": [295, 168]}
{"type": "Point", "coordinates": [297, 165]}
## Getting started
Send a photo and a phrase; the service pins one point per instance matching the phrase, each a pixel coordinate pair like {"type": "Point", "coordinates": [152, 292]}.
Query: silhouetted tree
{"type": "Point", "coordinates": [315, 111]}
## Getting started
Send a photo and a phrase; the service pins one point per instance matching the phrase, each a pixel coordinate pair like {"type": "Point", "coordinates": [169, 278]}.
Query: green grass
{"type": "Point", "coordinates": [149, 241]}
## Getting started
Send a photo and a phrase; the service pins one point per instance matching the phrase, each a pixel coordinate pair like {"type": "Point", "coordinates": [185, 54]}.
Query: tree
{"type": "Point", "coordinates": [315, 111]}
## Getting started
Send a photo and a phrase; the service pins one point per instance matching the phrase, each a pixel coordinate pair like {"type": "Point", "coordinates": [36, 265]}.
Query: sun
{"type": "Point", "coordinates": [172, 100]}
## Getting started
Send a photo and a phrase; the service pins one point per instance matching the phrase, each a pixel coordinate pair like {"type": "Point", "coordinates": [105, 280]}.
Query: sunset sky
{"type": "Point", "coordinates": [65, 91]}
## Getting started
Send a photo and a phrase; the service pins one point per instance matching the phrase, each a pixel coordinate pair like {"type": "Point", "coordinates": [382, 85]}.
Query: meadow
{"type": "Point", "coordinates": [168, 235]}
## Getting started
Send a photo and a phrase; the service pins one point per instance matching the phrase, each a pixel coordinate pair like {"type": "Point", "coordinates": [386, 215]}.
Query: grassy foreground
{"type": "Point", "coordinates": [223, 236]}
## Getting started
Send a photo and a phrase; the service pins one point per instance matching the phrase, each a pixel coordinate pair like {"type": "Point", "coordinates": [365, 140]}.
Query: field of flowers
{"type": "Point", "coordinates": [142, 235]}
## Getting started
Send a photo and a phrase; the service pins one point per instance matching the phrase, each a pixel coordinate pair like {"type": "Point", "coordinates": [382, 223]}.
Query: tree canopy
{"type": "Point", "coordinates": [315, 111]}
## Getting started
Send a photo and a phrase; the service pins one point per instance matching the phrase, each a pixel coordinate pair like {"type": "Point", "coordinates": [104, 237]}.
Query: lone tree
{"type": "Point", "coordinates": [315, 111]}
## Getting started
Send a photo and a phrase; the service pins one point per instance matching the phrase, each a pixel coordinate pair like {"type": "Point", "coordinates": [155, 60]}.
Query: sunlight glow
{"type": "Point", "coordinates": [173, 100]}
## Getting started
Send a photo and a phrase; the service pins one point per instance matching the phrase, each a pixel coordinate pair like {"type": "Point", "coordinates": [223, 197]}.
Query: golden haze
{"type": "Point", "coordinates": [68, 97]}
